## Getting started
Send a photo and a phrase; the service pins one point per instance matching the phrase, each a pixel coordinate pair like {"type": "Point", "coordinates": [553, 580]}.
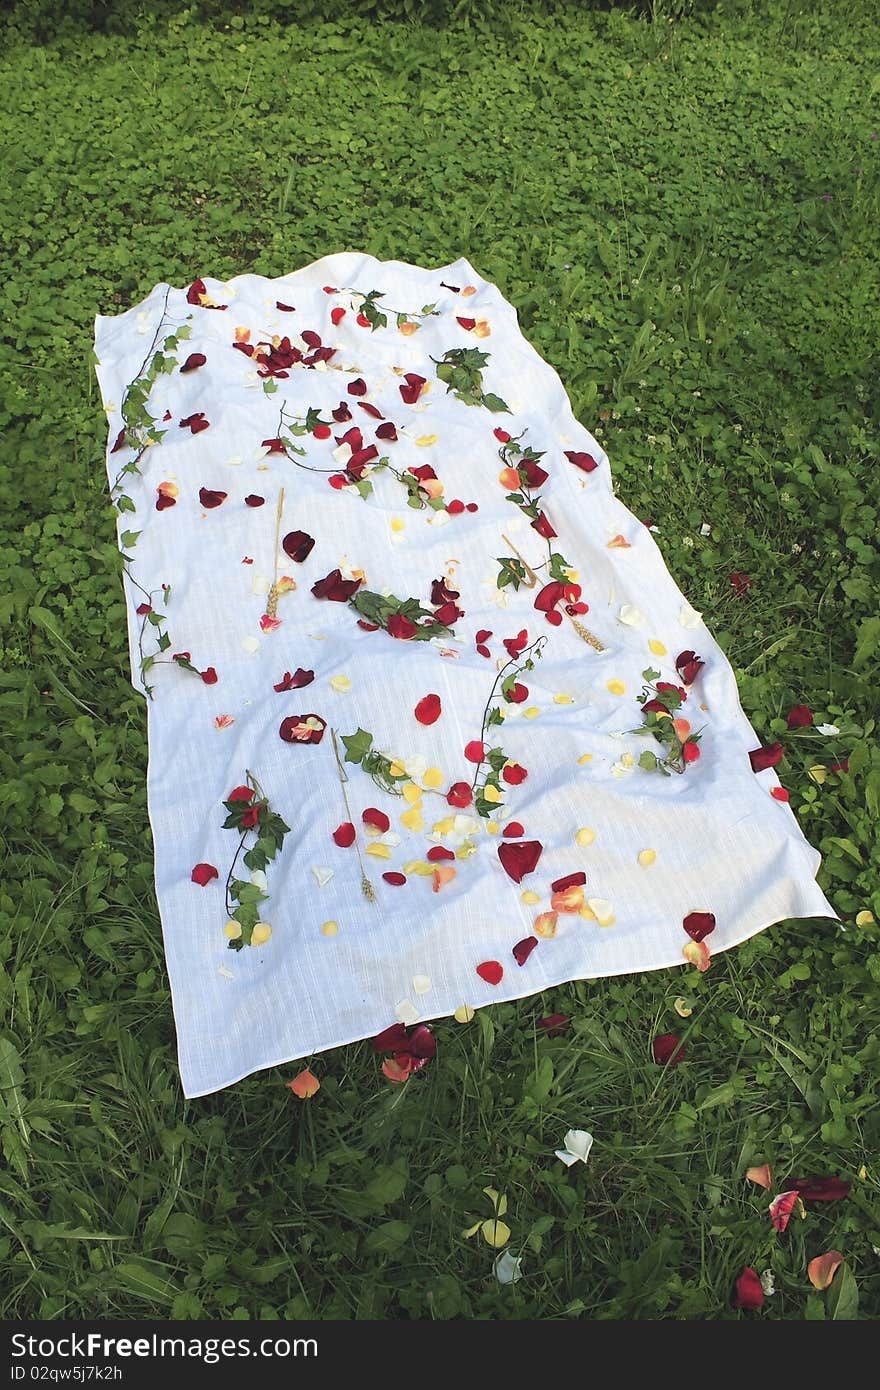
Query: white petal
{"type": "Point", "coordinates": [507, 1268]}
{"type": "Point", "coordinates": [258, 879]}
{"type": "Point", "coordinates": [829, 730]}
{"type": "Point", "coordinates": [630, 615]}
{"type": "Point", "coordinates": [342, 453]}
{"type": "Point", "coordinates": [567, 1158]}
{"type": "Point", "coordinates": [689, 617]}
{"type": "Point", "coordinates": [407, 1012]}
{"type": "Point", "coordinates": [322, 875]}
{"type": "Point", "coordinates": [579, 1143]}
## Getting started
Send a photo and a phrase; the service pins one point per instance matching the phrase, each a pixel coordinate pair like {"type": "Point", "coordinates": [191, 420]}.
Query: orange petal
{"type": "Point", "coordinates": [443, 874]}
{"type": "Point", "coordinates": [823, 1269]}
{"type": "Point", "coordinates": [682, 728]}
{"type": "Point", "coordinates": [545, 924]}
{"type": "Point", "coordinates": [619, 542]}
{"type": "Point", "coordinates": [762, 1175]}
{"type": "Point", "coordinates": [568, 900]}
{"type": "Point", "coordinates": [304, 1085]}
{"type": "Point", "coordinates": [697, 953]}
{"type": "Point", "coordinates": [394, 1072]}
{"type": "Point", "coordinates": [509, 478]}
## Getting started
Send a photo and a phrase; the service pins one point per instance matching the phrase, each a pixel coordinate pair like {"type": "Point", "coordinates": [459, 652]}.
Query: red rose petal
{"type": "Point", "coordinates": [575, 880]}
{"type": "Point", "coordinates": [376, 818]}
{"type": "Point", "coordinates": [513, 831]}
{"type": "Point", "coordinates": [275, 446]}
{"type": "Point", "coordinates": [459, 795]}
{"type": "Point", "coordinates": [475, 751]}
{"type": "Point", "coordinates": [483, 635]}
{"type": "Point", "coordinates": [781, 1209]}
{"type": "Point", "coordinates": [492, 971]}
{"type": "Point", "coordinates": [520, 858]}
{"type": "Point", "coordinates": [341, 413]}
{"type": "Point", "coordinates": [554, 617]}
{"type": "Point", "coordinates": [799, 717]}
{"type": "Point", "coordinates": [455, 507]}
{"type": "Point", "coordinates": [298, 545]}
{"type": "Point", "coordinates": [143, 608]}
{"type": "Point", "coordinates": [396, 879]}
{"type": "Point", "coordinates": [699, 924]}
{"type": "Point", "coordinates": [428, 710]}
{"type": "Point", "coordinates": [466, 324]}
{"type": "Point", "coordinates": [691, 751]}
{"type": "Point", "coordinates": [335, 588]}
{"type": "Point", "coordinates": [344, 834]}
{"type": "Point", "coordinates": [768, 755]}
{"type": "Point", "coordinates": [371, 410]}
{"type": "Point", "coordinates": [523, 949]}
{"type": "Point", "coordinates": [295, 681]}
{"type": "Point", "coordinates": [194, 361]}
{"type": "Point", "coordinates": [821, 1189]}
{"type": "Point", "coordinates": [438, 852]}
{"type": "Point", "coordinates": [336, 316]}
{"type": "Point", "coordinates": [285, 308]}
{"type": "Point", "coordinates": [203, 874]}
{"type": "Point", "coordinates": [553, 1024]}
{"type": "Point", "coordinates": [364, 322]}
{"type": "Point", "coordinates": [517, 694]}
{"type": "Point", "coordinates": [483, 650]}
{"type": "Point", "coordinates": [580, 460]}
{"type": "Point", "coordinates": [549, 596]}
{"type": "Point", "coordinates": [502, 436]}
{"type": "Point", "coordinates": [119, 442]}
{"type": "Point", "coordinates": [400, 627]}
{"type": "Point", "coordinates": [749, 1291]}
{"type": "Point", "coordinates": [779, 794]}
{"type": "Point", "coordinates": [241, 793]}
{"type": "Point", "coordinates": [195, 423]}
{"type": "Point", "coordinates": [322, 432]}
{"type": "Point", "coordinates": [513, 775]}
{"type": "Point", "coordinates": [667, 1050]}
{"type": "Point", "coordinates": [254, 500]}
{"type": "Point", "coordinates": [358, 387]}
{"type": "Point", "coordinates": [209, 676]}
{"type": "Point", "coordinates": [209, 498]}
{"type": "Point", "coordinates": [295, 730]}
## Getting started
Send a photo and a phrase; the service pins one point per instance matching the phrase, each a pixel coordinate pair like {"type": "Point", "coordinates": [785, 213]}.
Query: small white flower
{"type": "Point", "coordinates": [829, 730]}
{"type": "Point", "coordinates": [768, 1282]}
{"type": "Point", "coordinates": [706, 529]}
{"type": "Point", "coordinates": [577, 1147]}
{"type": "Point", "coordinates": [506, 1268]}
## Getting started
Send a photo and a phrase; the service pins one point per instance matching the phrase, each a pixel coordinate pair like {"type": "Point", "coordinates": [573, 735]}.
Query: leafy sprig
{"type": "Point", "coordinates": [359, 750]}
{"type": "Point", "coordinates": [462, 370]}
{"type": "Point", "coordinates": [488, 773]}
{"type": "Point", "coordinates": [253, 817]}
{"type": "Point", "coordinates": [659, 724]}
{"type": "Point", "coordinates": [381, 609]}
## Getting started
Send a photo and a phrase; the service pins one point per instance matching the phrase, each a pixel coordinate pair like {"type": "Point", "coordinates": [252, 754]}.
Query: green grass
{"type": "Point", "coordinates": [686, 217]}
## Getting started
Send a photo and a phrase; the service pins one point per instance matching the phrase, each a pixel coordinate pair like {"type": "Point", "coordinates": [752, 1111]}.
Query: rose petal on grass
{"type": "Point", "coordinates": [781, 1208]}
{"type": "Point", "coordinates": [749, 1292]}
{"type": "Point", "coordinates": [821, 1189]}
{"type": "Point", "coordinates": [697, 953]}
{"type": "Point", "coordinates": [762, 1175]}
{"type": "Point", "coordinates": [822, 1269]}
{"type": "Point", "coordinates": [305, 1085]}
{"type": "Point", "coordinates": [576, 1147]}
{"type": "Point", "coordinates": [667, 1050]}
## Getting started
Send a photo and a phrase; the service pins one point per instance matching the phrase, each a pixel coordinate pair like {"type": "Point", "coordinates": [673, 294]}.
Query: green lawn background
{"type": "Point", "coordinates": [685, 214]}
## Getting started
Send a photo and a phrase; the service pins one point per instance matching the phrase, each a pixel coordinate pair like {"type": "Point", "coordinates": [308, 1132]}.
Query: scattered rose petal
{"type": "Point", "coordinates": [492, 971]}
{"type": "Point", "coordinates": [574, 880]}
{"type": "Point", "coordinates": [428, 710]}
{"type": "Point", "coordinates": [581, 460]}
{"type": "Point", "coordinates": [464, 1013]}
{"type": "Point", "coordinates": [302, 728]}
{"type": "Point", "coordinates": [209, 498]}
{"type": "Point", "coordinates": [396, 880]}
{"type": "Point", "coordinates": [553, 1024]}
{"type": "Point", "coordinates": [223, 721]}
{"type": "Point", "coordinates": [682, 1007]}
{"type": "Point", "coordinates": [514, 830]}
{"type": "Point", "coordinates": [768, 755]}
{"type": "Point", "coordinates": [699, 924]}
{"type": "Point", "coordinates": [823, 1268]}
{"type": "Point", "coordinates": [828, 730]}
{"type": "Point", "coordinates": [799, 717]}
{"type": "Point", "coordinates": [523, 949]}
{"type": "Point", "coordinates": [441, 875]}
{"type": "Point", "coordinates": [821, 1189]}
{"type": "Point", "coordinates": [305, 1085]}
{"type": "Point", "coordinates": [321, 875]}
{"type": "Point", "coordinates": [298, 545]}
{"type": "Point", "coordinates": [576, 1147]}
{"type": "Point", "coordinates": [740, 583]}
{"type": "Point", "coordinates": [459, 794]}
{"type": "Point", "coordinates": [507, 1268]}
{"type": "Point", "coordinates": [519, 859]}
{"type": "Point", "coordinates": [194, 361]}
{"type": "Point", "coordinates": [344, 834]}
{"type": "Point", "coordinates": [779, 794]}
{"type": "Point", "coordinates": [376, 819]}
{"type": "Point", "coordinates": [667, 1050]}
{"type": "Point", "coordinates": [475, 751]}
{"type": "Point", "coordinates": [697, 953]}
{"type": "Point", "coordinates": [202, 874]}
{"type": "Point", "coordinates": [295, 681]}
{"type": "Point", "coordinates": [781, 1209]}
{"type": "Point", "coordinates": [749, 1293]}
{"type": "Point", "coordinates": [195, 423]}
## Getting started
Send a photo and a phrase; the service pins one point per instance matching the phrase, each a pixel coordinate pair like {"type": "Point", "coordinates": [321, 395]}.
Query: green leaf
{"type": "Point", "coordinates": [124, 503]}
{"type": "Point", "coordinates": [842, 1299]}
{"type": "Point", "coordinates": [129, 538]}
{"type": "Point", "coordinates": [496, 404]}
{"type": "Point", "coordinates": [356, 745]}
{"type": "Point", "coordinates": [648, 760]}
{"type": "Point", "coordinates": [388, 1238]}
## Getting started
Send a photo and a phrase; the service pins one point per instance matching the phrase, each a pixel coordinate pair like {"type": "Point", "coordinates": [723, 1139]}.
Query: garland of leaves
{"type": "Point", "coordinates": [369, 307]}
{"type": "Point", "coordinates": [359, 750]}
{"type": "Point", "coordinates": [462, 370]}
{"type": "Point", "coordinates": [659, 724]}
{"type": "Point", "coordinates": [250, 815]}
{"type": "Point", "coordinates": [489, 770]}
{"type": "Point", "coordinates": [382, 608]}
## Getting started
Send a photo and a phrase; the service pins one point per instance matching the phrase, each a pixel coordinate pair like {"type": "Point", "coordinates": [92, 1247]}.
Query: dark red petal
{"type": "Point", "coordinates": [438, 852]}
{"type": "Point", "coordinates": [335, 588]}
{"type": "Point", "coordinates": [542, 525]}
{"type": "Point", "coordinates": [483, 635]}
{"type": "Point", "coordinates": [820, 1189]}
{"type": "Point", "coordinates": [554, 1023]}
{"type": "Point", "coordinates": [309, 336]}
{"type": "Point", "coordinates": [466, 324]}
{"type": "Point", "coordinates": [196, 289]}
{"type": "Point", "coordinates": [699, 924]}
{"type": "Point", "coordinates": [285, 308]}
{"type": "Point", "coordinates": [584, 461]}
{"type": "Point", "coordinates": [376, 818]}
{"type": "Point", "coordinates": [459, 795]}
{"type": "Point", "coordinates": [799, 717]}
{"type": "Point", "coordinates": [421, 1042]}
{"type": "Point", "coordinates": [766, 756]}
{"type": "Point", "coordinates": [396, 879]}
{"type": "Point", "coordinates": [120, 441]}
{"type": "Point", "coordinates": [575, 880]}
{"type": "Point", "coordinates": [667, 1050]}
{"type": "Point", "coordinates": [203, 874]}
{"type": "Point", "coordinates": [253, 500]}
{"type": "Point", "coordinates": [209, 676]}
{"type": "Point", "coordinates": [483, 650]}
{"type": "Point", "coordinates": [492, 971]}
{"type": "Point", "coordinates": [447, 614]}
{"type": "Point", "coordinates": [386, 431]}
{"type": "Point", "coordinates": [400, 627]}
{"type": "Point", "coordinates": [393, 1039]}
{"type": "Point", "coordinates": [371, 410]}
{"type": "Point", "coordinates": [749, 1291]}
{"type": "Point", "coordinates": [209, 498]}
{"type": "Point", "coordinates": [194, 361]}
{"type": "Point", "coordinates": [428, 710]}
{"type": "Point", "coordinates": [298, 545]}
{"type": "Point", "coordinates": [250, 818]}
{"type": "Point", "coordinates": [293, 729]}
{"type": "Point", "coordinates": [513, 831]}
{"type": "Point", "coordinates": [523, 949]}
{"type": "Point", "coordinates": [344, 834]}
{"type": "Point", "coordinates": [143, 608]}
{"type": "Point", "coordinates": [514, 774]}
{"type": "Point", "coordinates": [358, 387]}
{"type": "Point", "coordinates": [520, 858]}
{"type": "Point", "coordinates": [341, 413]}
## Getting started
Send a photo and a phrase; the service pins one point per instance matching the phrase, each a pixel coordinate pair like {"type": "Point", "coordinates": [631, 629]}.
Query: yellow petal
{"type": "Point", "coordinates": [563, 699]}
{"type": "Point", "coordinates": [603, 910]}
{"type": "Point", "coordinates": [466, 850]}
{"type": "Point", "coordinates": [424, 441]}
{"type": "Point", "coordinates": [864, 919]}
{"type": "Point", "coordinates": [818, 774]}
{"type": "Point", "coordinates": [397, 523]}
{"type": "Point", "coordinates": [411, 793]}
{"type": "Point", "coordinates": [615, 687]}
{"type": "Point", "coordinates": [232, 930]}
{"type": "Point", "coordinates": [260, 934]}
{"type": "Point", "coordinates": [682, 1007]}
{"type": "Point", "coordinates": [495, 1233]}
{"type": "Point", "coordinates": [498, 1200]}
{"type": "Point", "coordinates": [433, 778]}
{"type": "Point", "coordinates": [329, 928]}
{"type": "Point", "coordinates": [444, 826]}
{"type": "Point", "coordinates": [587, 913]}
{"type": "Point", "coordinates": [647, 857]}
{"type": "Point", "coordinates": [463, 1014]}
{"type": "Point", "coordinates": [492, 827]}
{"type": "Point", "coordinates": [413, 818]}
{"type": "Point", "coordinates": [532, 712]}
{"type": "Point", "coordinates": [397, 769]}
{"type": "Point", "coordinates": [545, 924]}
{"type": "Point", "coordinates": [471, 1230]}
{"type": "Point", "coordinates": [584, 759]}
{"type": "Point", "coordinates": [657, 648]}
{"type": "Point", "coordinates": [342, 684]}
{"type": "Point", "coordinates": [572, 575]}
{"type": "Point", "coordinates": [379, 851]}
{"type": "Point", "coordinates": [491, 794]}
{"type": "Point", "coordinates": [697, 953]}
{"type": "Point", "coordinates": [422, 868]}
{"type": "Point", "coordinates": [529, 897]}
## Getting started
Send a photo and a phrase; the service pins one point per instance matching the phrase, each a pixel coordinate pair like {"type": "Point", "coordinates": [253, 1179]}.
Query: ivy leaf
{"type": "Point", "coordinates": [356, 745]}
{"type": "Point", "coordinates": [495, 404]}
